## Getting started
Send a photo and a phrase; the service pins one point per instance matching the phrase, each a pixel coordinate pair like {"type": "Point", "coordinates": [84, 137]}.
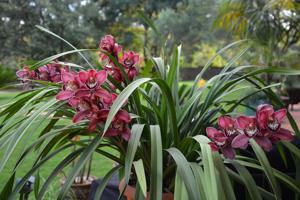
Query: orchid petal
{"type": "Point", "coordinates": [280, 115]}
{"type": "Point", "coordinates": [101, 76]}
{"type": "Point", "coordinates": [284, 134]}
{"type": "Point", "coordinates": [244, 121]}
{"type": "Point", "coordinates": [264, 142]}
{"type": "Point", "coordinates": [83, 76]}
{"type": "Point", "coordinates": [64, 95]}
{"type": "Point", "coordinates": [124, 116]}
{"type": "Point", "coordinates": [228, 152]}
{"type": "Point", "coordinates": [240, 141]}
{"type": "Point", "coordinates": [80, 116]}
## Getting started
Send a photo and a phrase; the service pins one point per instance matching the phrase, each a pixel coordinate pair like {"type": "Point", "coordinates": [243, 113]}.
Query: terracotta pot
{"type": "Point", "coordinates": [129, 193]}
{"type": "Point", "coordinates": [80, 191]}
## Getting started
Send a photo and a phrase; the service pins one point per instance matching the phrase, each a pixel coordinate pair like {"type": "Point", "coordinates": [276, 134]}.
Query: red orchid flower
{"type": "Point", "coordinates": [270, 123]}
{"type": "Point", "coordinates": [220, 141]}
{"type": "Point", "coordinates": [55, 71]}
{"type": "Point", "coordinates": [109, 45]}
{"type": "Point", "coordinates": [119, 125]}
{"type": "Point", "coordinates": [92, 80]}
{"type": "Point", "coordinates": [26, 73]}
{"type": "Point", "coordinates": [114, 71]}
{"type": "Point", "coordinates": [129, 60]}
{"type": "Point", "coordinates": [43, 73]}
{"type": "Point", "coordinates": [229, 125]}
{"type": "Point", "coordinates": [71, 85]}
{"type": "Point", "coordinates": [251, 130]}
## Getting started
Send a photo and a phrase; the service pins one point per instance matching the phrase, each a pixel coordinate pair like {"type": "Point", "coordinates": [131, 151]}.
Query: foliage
{"type": "Point", "coordinates": [205, 52]}
{"type": "Point", "coordinates": [168, 123]}
{"type": "Point", "coordinates": [7, 75]}
{"type": "Point", "coordinates": [273, 26]}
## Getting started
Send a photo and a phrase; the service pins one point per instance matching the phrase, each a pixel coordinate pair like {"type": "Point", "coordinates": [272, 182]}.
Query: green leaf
{"type": "Point", "coordinates": [121, 99]}
{"type": "Point", "coordinates": [185, 172]}
{"type": "Point", "coordinates": [267, 168]}
{"type": "Point", "coordinates": [86, 154]}
{"type": "Point", "coordinates": [156, 174]}
{"type": "Point", "coordinates": [54, 57]}
{"type": "Point", "coordinates": [104, 181]}
{"type": "Point", "coordinates": [180, 189]}
{"type": "Point", "coordinates": [224, 178]}
{"type": "Point", "coordinates": [209, 172]}
{"type": "Point", "coordinates": [199, 177]}
{"type": "Point", "coordinates": [295, 150]}
{"type": "Point", "coordinates": [57, 36]}
{"type": "Point", "coordinates": [66, 161]}
{"type": "Point", "coordinates": [140, 173]}
{"type": "Point", "coordinates": [136, 132]}
{"type": "Point", "coordinates": [247, 180]}
{"type": "Point", "coordinates": [8, 187]}
{"type": "Point", "coordinates": [21, 131]}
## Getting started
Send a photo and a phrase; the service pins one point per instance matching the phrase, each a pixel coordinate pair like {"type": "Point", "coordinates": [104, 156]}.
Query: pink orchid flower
{"type": "Point", "coordinates": [229, 125]}
{"type": "Point", "coordinates": [109, 45]}
{"type": "Point", "coordinates": [26, 73]}
{"type": "Point", "coordinates": [270, 122]}
{"type": "Point", "coordinates": [92, 80]}
{"type": "Point", "coordinates": [119, 125]}
{"type": "Point", "coordinates": [251, 130]}
{"type": "Point", "coordinates": [71, 85]}
{"type": "Point", "coordinates": [114, 71]}
{"type": "Point", "coordinates": [129, 60]}
{"type": "Point", "coordinates": [220, 141]}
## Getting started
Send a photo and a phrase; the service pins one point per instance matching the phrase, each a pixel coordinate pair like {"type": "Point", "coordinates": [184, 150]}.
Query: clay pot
{"type": "Point", "coordinates": [80, 191]}
{"type": "Point", "coordinates": [130, 192]}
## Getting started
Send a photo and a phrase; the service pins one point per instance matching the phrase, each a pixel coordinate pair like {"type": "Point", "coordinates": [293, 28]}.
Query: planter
{"type": "Point", "coordinates": [80, 191]}
{"type": "Point", "coordinates": [129, 193]}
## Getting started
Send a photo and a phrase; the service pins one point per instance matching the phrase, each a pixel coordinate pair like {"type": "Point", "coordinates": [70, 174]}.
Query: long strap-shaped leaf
{"type": "Point", "coordinates": [140, 173]}
{"type": "Point", "coordinates": [156, 175]}
{"type": "Point", "coordinates": [209, 172]}
{"type": "Point", "coordinates": [86, 154]}
{"type": "Point", "coordinates": [57, 170]}
{"type": "Point", "coordinates": [24, 179]}
{"type": "Point", "coordinates": [185, 172]}
{"type": "Point", "coordinates": [124, 95]}
{"type": "Point", "coordinates": [57, 36]}
{"type": "Point", "coordinates": [180, 189]}
{"type": "Point", "coordinates": [248, 181]}
{"type": "Point", "coordinates": [106, 178]}
{"type": "Point", "coordinates": [21, 131]}
{"type": "Point", "coordinates": [136, 132]}
{"type": "Point", "coordinates": [267, 168]}
{"type": "Point", "coordinates": [54, 57]}
{"type": "Point", "coordinates": [224, 178]}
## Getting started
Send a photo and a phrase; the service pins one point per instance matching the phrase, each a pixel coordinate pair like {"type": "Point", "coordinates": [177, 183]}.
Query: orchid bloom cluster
{"type": "Point", "coordinates": [265, 128]}
{"type": "Point", "coordinates": [50, 72]}
{"type": "Point", "coordinates": [128, 59]}
{"type": "Point", "coordinates": [84, 91]}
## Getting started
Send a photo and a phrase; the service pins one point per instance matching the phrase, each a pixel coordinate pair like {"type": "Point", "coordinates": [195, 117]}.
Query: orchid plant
{"type": "Point", "coordinates": [163, 131]}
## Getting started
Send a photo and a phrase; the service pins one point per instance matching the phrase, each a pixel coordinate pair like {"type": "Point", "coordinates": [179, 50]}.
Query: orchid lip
{"type": "Point", "coordinates": [231, 131]}
{"type": "Point", "coordinates": [251, 131]}
{"type": "Point", "coordinates": [220, 143]}
{"type": "Point", "coordinates": [273, 125]}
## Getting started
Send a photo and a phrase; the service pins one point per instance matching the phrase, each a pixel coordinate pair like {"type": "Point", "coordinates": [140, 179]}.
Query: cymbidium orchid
{"type": "Point", "coordinates": [129, 60]}
{"type": "Point", "coordinates": [250, 129]}
{"type": "Point", "coordinates": [270, 121]}
{"type": "Point", "coordinates": [220, 141]}
{"type": "Point", "coordinates": [119, 125]}
{"type": "Point", "coordinates": [109, 45]}
{"type": "Point", "coordinates": [71, 84]}
{"type": "Point", "coordinates": [25, 74]}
